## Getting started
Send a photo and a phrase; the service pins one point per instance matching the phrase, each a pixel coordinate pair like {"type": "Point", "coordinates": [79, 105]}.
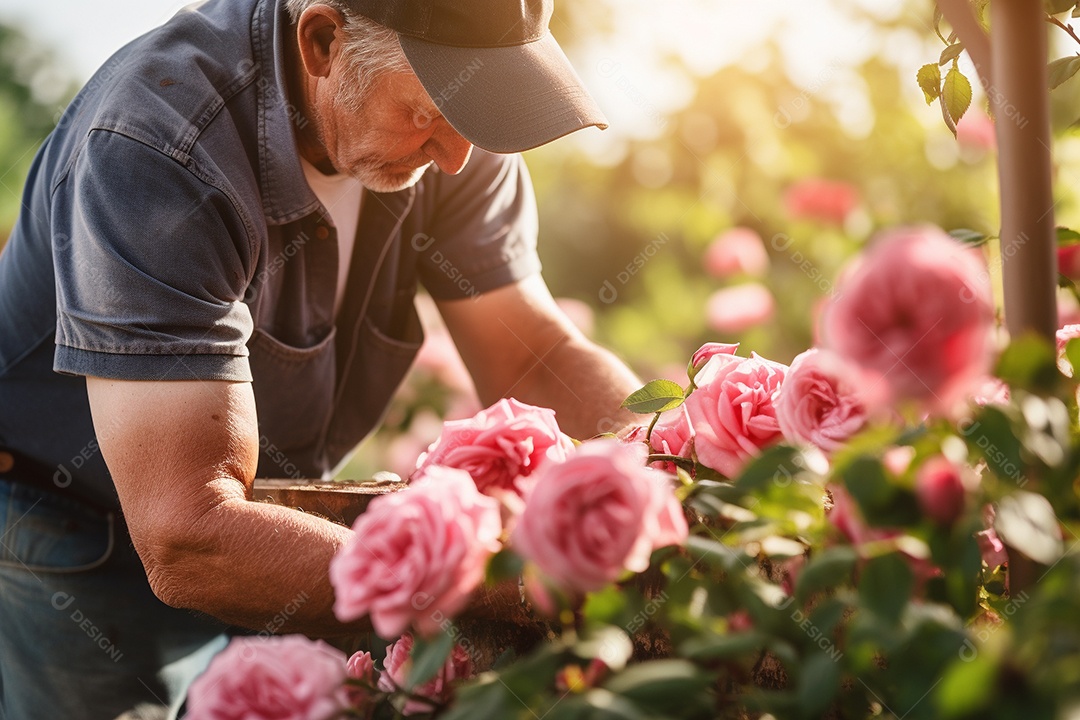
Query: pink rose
{"type": "Point", "coordinates": [827, 201]}
{"type": "Point", "coordinates": [416, 555]}
{"type": "Point", "coordinates": [500, 446]}
{"type": "Point", "coordinates": [990, 546]}
{"type": "Point", "coordinates": [739, 251]}
{"type": "Point", "coordinates": [705, 353]}
{"type": "Point", "coordinates": [277, 678]}
{"type": "Point", "coordinates": [596, 514]}
{"type": "Point", "coordinates": [439, 689]}
{"type": "Point", "coordinates": [1062, 338]}
{"type": "Point", "coordinates": [819, 402]}
{"type": "Point", "coordinates": [360, 667]}
{"type": "Point", "coordinates": [739, 307]}
{"type": "Point", "coordinates": [916, 311]}
{"type": "Point", "coordinates": [940, 490]}
{"type": "Point", "coordinates": [1069, 261]}
{"type": "Point", "coordinates": [672, 435]}
{"type": "Point", "coordinates": [733, 410]}
{"type": "Point", "coordinates": [990, 391]}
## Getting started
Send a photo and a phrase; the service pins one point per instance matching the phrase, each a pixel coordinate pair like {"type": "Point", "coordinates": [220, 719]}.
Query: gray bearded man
{"type": "Point", "coordinates": [212, 278]}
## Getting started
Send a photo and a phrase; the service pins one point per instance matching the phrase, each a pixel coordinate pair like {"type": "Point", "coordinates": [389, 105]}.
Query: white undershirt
{"type": "Point", "coordinates": [341, 195]}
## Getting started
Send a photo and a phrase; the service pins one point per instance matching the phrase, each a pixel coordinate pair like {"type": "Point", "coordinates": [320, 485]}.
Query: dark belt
{"type": "Point", "coordinates": [18, 468]}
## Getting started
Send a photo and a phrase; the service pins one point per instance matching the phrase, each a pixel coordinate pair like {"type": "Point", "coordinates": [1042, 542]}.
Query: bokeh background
{"type": "Point", "coordinates": [754, 148]}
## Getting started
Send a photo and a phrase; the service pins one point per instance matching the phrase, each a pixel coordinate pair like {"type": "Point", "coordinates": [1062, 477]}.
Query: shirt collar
{"type": "Point", "coordinates": [285, 193]}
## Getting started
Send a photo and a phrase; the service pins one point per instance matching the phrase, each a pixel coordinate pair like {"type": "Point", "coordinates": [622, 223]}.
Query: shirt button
{"type": "Point", "coordinates": [322, 232]}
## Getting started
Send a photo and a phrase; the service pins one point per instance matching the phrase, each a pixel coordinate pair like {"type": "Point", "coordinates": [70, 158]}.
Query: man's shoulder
{"type": "Point", "coordinates": [166, 86]}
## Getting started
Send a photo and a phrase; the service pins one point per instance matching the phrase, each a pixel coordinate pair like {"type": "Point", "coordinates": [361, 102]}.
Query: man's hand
{"type": "Point", "coordinates": [516, 342]}
{"type": "Point", "coordinates": [183, 457]}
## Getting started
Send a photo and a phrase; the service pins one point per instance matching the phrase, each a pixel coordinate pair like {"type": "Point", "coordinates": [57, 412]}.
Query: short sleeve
{"type": "Point", "coordinates": [482, 233]}
{"type": "Point", "coordinates": [151, 268]}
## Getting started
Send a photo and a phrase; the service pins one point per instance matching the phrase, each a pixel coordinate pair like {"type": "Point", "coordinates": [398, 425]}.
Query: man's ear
{"type": "Point", "coordinates": [319, 35]}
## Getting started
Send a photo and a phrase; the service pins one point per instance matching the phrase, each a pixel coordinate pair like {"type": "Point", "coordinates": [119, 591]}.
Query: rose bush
{"type": "Point", "coordinates": [765, 545]}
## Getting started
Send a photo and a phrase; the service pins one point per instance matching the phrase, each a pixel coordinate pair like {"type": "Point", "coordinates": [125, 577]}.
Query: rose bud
{"type": "Point", "coordinates": [940, 490]}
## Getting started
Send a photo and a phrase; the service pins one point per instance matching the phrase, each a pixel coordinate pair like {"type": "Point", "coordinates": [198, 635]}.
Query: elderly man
{"type": "Point", "coordinates": [213, 277]}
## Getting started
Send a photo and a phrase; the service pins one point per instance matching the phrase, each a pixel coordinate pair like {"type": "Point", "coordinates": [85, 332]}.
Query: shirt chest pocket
{"type": "Point", "coordinates": [294, 390]}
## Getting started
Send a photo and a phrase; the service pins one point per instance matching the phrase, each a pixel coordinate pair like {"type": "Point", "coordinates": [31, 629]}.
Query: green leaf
{"type": "Point", "coordinates": [869, 484]}
{"type": "Point", "coordinates": [657, 396]}
{"type": "Point", "coordinates": [776, 466]}
{"type": "Point", "coordinates": [1062, 69]}
{"type": "Point", "coordinates": [929, 78]}
{"type": "Point", "coordinates": [1072, 352]}
{"type": "Point", "coordinates": [950, 53]}
{"type": "Point", "coordinates": [826, 570]}
{"type": "Point", "coordinates": [827, 615]}
{"type": "Point", "coordinates": [723, 647]}
{"type": "Point", "coordinates": [967, 687]}
{"type": "Point", "coordinates": [1026, 521]}
{"type": "Point", "coordinates": [489, 700]}
{"type": "Point", "coordinates": [428, 656]}
{"type": "Point", "coordinates": [605, 704]}
{"type": "Point", "coordinates": [969, 237]}
{"type": "Point", "coordinates": [661, 684]}
{"type": "Point", "coordinates": [1067, 236]}
{"type": "Point", "coordinates": [956, 94]}
{"type": "Point", "coordinates": [504, 565]}
{"type": "Point", "coordinates": [885, 584]}
{"type": "Point", "coordinates": [1029, 363]}
{"type": "Point", "coordinates": [819, 679]}
{"type": "Point", "coordinates": [1059, 6]}
{"type": "Point", "coordinates": [938, 15]}
{"type": "Point", "coordinates": [703, 548]}
{"type": "Point", "coordinates": [992, 437]}
{"type": "Point", "coordinates": [605, 606]}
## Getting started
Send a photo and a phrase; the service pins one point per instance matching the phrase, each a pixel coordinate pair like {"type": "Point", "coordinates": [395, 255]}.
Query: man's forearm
{"type": "Point", "coordinates": [256, 565]}
{"type": "Point", "coordinates": [585, 385]}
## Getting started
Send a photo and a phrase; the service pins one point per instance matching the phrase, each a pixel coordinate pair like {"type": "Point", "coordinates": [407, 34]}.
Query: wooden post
{"type": "Point", "coordinates": [1020, 96]}
{"type": "Point", "coordinates": [1018, 88]}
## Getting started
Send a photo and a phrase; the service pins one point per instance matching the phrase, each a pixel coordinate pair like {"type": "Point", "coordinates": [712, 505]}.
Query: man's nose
{"type": "Point", "coordinates": [448, 149]}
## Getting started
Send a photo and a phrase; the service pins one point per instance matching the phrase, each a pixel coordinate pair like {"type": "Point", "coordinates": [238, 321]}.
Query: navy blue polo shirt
{"type": "Point", "coordinates": [167, 233]}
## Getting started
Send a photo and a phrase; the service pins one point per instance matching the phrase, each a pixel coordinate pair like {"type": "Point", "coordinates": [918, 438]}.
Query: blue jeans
{"type": "Point", "coordinates": [82, 636]}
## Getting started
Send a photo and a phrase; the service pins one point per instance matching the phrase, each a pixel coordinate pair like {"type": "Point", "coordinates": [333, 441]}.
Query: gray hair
{"type": "Point", "coordinates": [370, 49]}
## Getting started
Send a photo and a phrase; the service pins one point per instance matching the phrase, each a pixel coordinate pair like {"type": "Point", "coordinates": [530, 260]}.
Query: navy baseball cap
{"type": "Point", "coordinates": [491, 67]}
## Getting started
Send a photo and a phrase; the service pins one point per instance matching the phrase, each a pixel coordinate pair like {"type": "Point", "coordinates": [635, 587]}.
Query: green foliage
{"type": "Point", "coordinates": [33, 90]}
{"type": "Point", "coordinates": [656, 397]}
{"type": "Point", "coordinates": [956, 93]}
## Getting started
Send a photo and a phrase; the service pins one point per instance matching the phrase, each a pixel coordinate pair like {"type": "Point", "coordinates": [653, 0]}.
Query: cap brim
{"type": "Point", "coordinates": [504, 99]}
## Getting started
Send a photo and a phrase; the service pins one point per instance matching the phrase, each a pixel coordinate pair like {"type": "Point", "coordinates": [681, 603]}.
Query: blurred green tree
{"type": "Point", "coordinates": [34, 88]}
